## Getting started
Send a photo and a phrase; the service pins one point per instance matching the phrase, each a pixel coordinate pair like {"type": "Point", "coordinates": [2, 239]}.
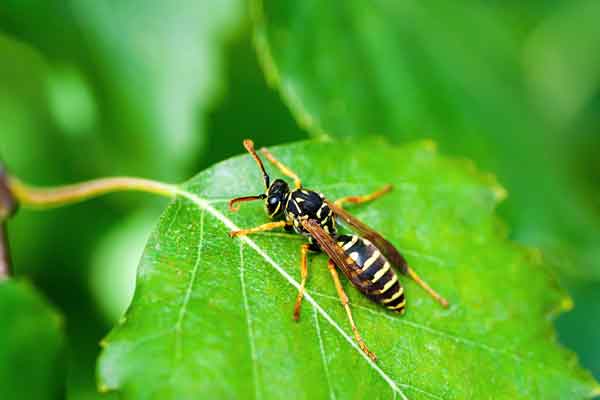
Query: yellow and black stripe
{"type": "Point", "coordinates": [303, 204]}
{"type": "Point", "coordinates": [377, 279]}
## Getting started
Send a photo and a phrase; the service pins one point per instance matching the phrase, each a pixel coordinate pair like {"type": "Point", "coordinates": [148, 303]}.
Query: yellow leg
{"type": "Point", "coordinates": [435, 295]}
{"type": "Point", "coordinates": [409, 271]}
{"type": "Point", "coordinates": [365, 198]}
{"type": "Point", "coordinates": [264, 227]}
{"type": "Point", "coordinates": [303, 276]}
{"type": "Point", "coordinates": [282, 167]}
{"type": "Point", "coordinates": [344, 300]}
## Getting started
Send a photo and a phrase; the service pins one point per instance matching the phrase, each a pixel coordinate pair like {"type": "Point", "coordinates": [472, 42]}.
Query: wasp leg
{"type": "Point", "coordinates": [435, 295]}
{"type": "Point", "coordinates": [303, 275]}
{"type": "Point", "coordinates": [344, 300]}
{"type": "Point", "coordinates": [261, 228]}
{"type": "Point", "coordinates": [364, 198]}
{"type": "Point", "coordinates": [282, 167]}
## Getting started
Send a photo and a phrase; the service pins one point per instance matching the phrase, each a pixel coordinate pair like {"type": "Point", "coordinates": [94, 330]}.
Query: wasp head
{"type": "Point", "coordinates": [277, 196]}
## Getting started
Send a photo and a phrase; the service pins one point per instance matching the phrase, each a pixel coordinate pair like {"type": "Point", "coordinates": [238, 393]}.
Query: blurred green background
{"type": "Point", "coordinates": [161, 90]}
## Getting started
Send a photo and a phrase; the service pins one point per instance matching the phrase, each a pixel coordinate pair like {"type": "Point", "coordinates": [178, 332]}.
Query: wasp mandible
{"type": "Point", "coordinates": [365, 259]}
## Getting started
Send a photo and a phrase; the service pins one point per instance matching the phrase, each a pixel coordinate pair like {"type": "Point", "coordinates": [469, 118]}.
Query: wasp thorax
{"type": "Point", "coordinates": [276, 197]}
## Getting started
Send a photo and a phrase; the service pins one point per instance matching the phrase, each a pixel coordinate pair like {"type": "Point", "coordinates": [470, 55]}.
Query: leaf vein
{"type": "Point", "coordinates": [323, 358]}
{"type": "Point", "coordinates": [188, 293]}
{"type": "Point", "coordinates": [416, 389]}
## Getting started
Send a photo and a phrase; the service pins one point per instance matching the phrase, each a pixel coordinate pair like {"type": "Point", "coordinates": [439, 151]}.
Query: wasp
{"type": "Point", "coordinates": [365, 259]}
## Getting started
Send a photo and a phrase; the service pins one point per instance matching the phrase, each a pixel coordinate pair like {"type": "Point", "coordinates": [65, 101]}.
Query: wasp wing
{"type": "Point", "coordinates": [370, 234]}
{"type": "Point", "coordinates": [334, 251]}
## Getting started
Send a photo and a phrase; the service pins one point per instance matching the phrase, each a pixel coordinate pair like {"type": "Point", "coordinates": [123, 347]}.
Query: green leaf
{"type": "Point", "coordinates": [212, 316]}
{"type": "Point", "coordinates": [454, 72]}
{"type": "Point", "coordinates": [31, 344]}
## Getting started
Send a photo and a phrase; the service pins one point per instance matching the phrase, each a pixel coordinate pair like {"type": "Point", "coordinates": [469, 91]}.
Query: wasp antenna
{"type": "Point", "coordinates": [233, 202]}
{"type": "Point", "coordinates": [249, 145]}
{"type": "Point", "coordinates": [282, 167]}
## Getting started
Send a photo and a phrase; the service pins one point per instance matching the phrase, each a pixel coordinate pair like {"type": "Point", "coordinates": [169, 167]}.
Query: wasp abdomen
{"type": "Point", "coordinates": [377, 280]}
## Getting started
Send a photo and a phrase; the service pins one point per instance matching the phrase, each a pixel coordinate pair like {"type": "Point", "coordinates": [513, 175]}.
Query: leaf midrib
{"type": "Point", "coordinates": [249, 324]}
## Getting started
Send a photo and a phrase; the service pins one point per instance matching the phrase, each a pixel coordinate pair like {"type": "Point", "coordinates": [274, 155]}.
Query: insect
{"type": "Point", "coordinates": [365, 259]}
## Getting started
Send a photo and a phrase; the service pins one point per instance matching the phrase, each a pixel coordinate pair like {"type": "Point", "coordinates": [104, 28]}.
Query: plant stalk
{"type": "Point", "coordinates": [15, 193]}
{"type": "Point", "coordinates": [42, 198]}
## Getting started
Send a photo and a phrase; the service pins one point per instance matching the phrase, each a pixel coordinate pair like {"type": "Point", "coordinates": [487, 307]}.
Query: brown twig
{"type": "Point", "coordinates": [5, 265]}
{"type": "Point", "coordinates": [7, 208]}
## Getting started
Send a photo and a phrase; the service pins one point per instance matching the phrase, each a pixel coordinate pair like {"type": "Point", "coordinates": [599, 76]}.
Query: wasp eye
{"type": "Point", "coordinates": [273, 200]}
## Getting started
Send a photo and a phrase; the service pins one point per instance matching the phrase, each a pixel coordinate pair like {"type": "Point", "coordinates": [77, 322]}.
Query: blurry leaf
{"type": "Point", "coordinates": [258, 110]}
{"type": "Point", "coordinates": [165, 62]}
{"type": "Point", "coordinates": [71, 101]}
{"type": "Point", "coordinates": [115, 262]}
{"type": "Point", "coordinates": [212, 316]}
{"type": "Point", "coordinates": [563, 59]}
{"type": "Point", "coordinates": [149, 69]}
{"type": "Point", "coordinates": [452, 72]}
{"type": "Point", "coordinates": [388, 68]}
{"type": "Point", "coordinates": [31, 344]}
{"type": "Point", "coordinates": [23, 110]}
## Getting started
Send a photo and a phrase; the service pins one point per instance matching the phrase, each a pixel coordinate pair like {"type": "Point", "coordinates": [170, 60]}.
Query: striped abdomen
{"type": "Point", "coordinates": [374, 276]}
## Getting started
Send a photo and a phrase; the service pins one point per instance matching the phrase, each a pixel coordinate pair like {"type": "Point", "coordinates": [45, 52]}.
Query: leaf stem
{"type": "Point", "coordinates": [14, 193]}
{"type": "Point", "coordinates": [43, 198]}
